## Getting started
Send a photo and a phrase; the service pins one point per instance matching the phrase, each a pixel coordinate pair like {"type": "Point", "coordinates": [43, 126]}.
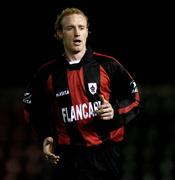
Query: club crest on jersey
{"type": "Point", "coordinates": [92, 88]}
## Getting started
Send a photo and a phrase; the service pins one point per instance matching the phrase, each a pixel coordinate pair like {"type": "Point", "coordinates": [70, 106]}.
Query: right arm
{"type": "Point", "coordinates": [37, 114]}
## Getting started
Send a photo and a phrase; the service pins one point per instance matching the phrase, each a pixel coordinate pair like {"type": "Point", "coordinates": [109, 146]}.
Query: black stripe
{"type": "Point", "coordinates": [61, 84]}
{"type": "Point", "coordinates": [92, 75]}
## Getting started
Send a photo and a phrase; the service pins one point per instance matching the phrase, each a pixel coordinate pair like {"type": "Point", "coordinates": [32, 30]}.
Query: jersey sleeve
{"type": "Point", "coordinates": [37, 108]}
{"type": "Point", "coordinates": [126, 96]}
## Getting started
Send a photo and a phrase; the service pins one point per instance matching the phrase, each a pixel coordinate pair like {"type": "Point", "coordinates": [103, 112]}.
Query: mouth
{"type": "Point", "coordinates": [77, 42]}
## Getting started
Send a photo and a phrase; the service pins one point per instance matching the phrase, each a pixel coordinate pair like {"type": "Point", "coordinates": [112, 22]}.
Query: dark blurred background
{"type": "Point", "coordinates": [139, 34]}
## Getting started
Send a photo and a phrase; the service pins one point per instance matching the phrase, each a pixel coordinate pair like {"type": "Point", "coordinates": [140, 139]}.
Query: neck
{"type": "Point", "coordinates": [74, 56]}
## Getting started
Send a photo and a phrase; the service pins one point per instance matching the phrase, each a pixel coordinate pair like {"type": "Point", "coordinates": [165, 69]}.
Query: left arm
{"type": "Point", "coordinates": [123, 105]}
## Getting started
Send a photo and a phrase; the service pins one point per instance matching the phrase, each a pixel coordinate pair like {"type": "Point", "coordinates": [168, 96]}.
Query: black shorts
{"type": "Point", "coordinates": [80, 163]}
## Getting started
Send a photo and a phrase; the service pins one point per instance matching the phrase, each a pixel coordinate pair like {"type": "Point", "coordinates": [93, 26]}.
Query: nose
{"type": "Point", "coordinates": [77, 31]}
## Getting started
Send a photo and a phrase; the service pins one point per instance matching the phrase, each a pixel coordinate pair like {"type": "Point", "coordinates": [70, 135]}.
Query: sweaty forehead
{"type": "Point", "coordinates": [74, 19]}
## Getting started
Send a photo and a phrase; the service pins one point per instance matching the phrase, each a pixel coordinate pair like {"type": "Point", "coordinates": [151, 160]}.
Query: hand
{"type": "Point", "coordinates": [48, 150]}
{"type": "Point", "coordinates": [105, 111]}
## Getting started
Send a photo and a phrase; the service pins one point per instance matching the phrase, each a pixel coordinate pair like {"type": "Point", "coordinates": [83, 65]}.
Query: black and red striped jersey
{"type": "Point", "coordinates": [61, 100]}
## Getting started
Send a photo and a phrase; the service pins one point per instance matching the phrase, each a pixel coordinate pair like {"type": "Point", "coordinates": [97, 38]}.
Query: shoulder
{"type": "Point", "coordinates": [48, 66]}
{"type": "Point", "coordinates": [106, 59]}
{"type": "Point", "coordinates": [103, 56]}
{"type": "Point", "coordinates": [110, 64]}
{"type": "Point", "coordinates": [44, 70]}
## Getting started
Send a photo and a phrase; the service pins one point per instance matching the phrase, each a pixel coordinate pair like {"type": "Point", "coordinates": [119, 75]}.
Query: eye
{"type": "Point", "coordinates": [68, 28]}
{"type": "Point", "coordinates": [81, 27]}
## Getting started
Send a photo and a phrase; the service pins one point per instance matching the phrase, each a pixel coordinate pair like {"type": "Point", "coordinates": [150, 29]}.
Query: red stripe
{"type": "Point", "coordinates": [50, 84]}
{"type": "Point", "coordinates": [77, 92]}
{"type": "Point", "coordinates": [63, 137]}
{"type": "Point", "coordinates": [26, 116]}
{"type": "Point", "coordinates": [104, 84]}
{"type": "Point", "coordinates": [117, 135]}
{"type": "Point", "coordinates": [103, 55]}
{"type": "Point", "coordinates": [131, 106]}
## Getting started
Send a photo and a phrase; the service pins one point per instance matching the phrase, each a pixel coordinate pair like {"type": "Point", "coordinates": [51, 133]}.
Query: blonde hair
{"type": "Point", "coordinates": [66, 12]}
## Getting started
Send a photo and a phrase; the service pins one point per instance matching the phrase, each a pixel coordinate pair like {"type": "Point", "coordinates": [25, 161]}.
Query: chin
{"type": "Point", "coordinates": [77, 50]}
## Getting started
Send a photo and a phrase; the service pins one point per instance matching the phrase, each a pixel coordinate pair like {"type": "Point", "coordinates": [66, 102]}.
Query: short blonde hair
{"type": "Point", "coordinates": [66, 12]}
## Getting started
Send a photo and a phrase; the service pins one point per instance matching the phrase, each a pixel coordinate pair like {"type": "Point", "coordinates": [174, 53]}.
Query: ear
{"type": "Point", "coordinates": [59, 35]}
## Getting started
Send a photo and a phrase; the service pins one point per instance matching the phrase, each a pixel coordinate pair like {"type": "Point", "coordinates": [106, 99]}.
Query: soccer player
{"type": "Point", "coordinates": [79, 105]}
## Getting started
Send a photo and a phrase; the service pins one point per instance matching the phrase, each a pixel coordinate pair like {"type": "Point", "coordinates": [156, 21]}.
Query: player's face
{"type": "Point", "coordinates": [74, 33]}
